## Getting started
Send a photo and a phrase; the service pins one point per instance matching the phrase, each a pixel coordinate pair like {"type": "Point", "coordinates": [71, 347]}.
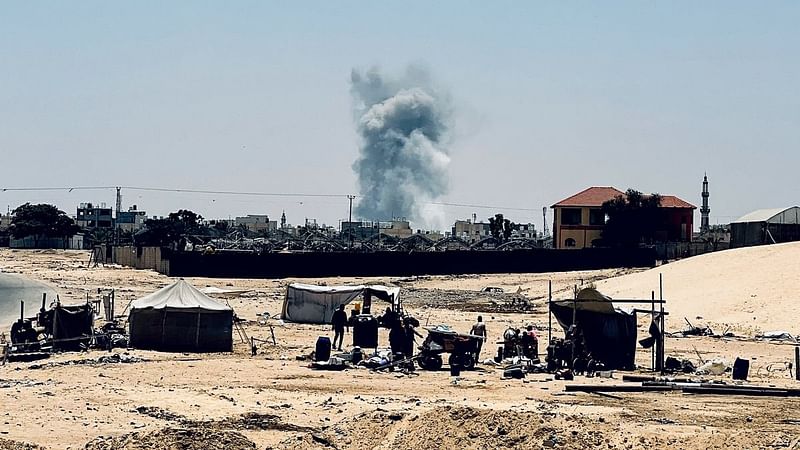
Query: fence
{"type": "Point", "coordinates": [140, 258]}
{"type": "Point", "coordinates": [678, 250]}
{"type": "Point", "coordinates": [386, 263]}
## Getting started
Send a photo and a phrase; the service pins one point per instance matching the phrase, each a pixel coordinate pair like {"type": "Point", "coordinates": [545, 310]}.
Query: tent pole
{"type": "Point", "coordinates": [549, 311]}
{"type": "Point", "coordinates": [574, 319]}
{"type": "Point", "coordinates": [652, 319]}
{"type": "Point", "coordinates": [163, 326]}
{"type": "Point", "coordinates": [197, 333]}
{"type": "Point", "coordinates": [662, 322]}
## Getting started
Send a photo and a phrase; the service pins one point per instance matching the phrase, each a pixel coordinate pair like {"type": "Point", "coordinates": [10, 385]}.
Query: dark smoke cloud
{"type": "Point", "coordinates": [403, 125]}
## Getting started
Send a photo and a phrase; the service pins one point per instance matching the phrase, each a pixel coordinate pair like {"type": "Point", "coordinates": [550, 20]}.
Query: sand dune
{"type": "Point", "coordinates": [749, 289]}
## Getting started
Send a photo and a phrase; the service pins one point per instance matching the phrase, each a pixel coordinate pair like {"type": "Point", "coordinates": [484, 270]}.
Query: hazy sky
{"type": "Point", "coordinates": [549, 98]}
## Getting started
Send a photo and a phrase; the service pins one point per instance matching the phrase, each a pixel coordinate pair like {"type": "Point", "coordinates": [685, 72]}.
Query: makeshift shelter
{"type": "Point", "coordinates": [609, 332]}
{"type": "Point", "coordinates": [181, 318]}
{"type": "Point", "coordinates": [72, 326]}
{"type": "Point", "coordinates": [308, 303]}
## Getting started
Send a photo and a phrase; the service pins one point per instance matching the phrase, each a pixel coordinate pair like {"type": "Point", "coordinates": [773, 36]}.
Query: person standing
{"type": "Point", "coordinates": [479, 329]}
{"type": "Point", "coordinates": [338, 324]}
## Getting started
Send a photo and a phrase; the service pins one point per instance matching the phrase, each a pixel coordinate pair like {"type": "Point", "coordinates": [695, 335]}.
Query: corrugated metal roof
{"type": "Point", "coordinates": [764, 215]}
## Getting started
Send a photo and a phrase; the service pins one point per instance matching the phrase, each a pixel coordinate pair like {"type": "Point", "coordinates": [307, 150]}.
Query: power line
{"type": "Point", "coordinates": [247, 193]}
{"type": "Point", "coordinates": [202, 191]}
{"type": "Point", "coordinates": [463, 205]}
{"type": "Point", "coordinates": [70, 189]}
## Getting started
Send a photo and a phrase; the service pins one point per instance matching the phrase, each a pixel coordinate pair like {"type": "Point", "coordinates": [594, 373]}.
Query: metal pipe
{"type": "Point", "coordinates": [21, 310]}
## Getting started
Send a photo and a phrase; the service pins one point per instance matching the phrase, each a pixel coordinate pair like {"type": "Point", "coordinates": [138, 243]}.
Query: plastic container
{"type": "Point", "coordinates": [365, 331]}
{"type": "Point", "coordinates": [323, 349]}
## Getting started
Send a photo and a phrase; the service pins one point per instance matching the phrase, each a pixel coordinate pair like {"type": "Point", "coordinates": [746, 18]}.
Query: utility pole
{"type": "Point", "coordinates": [350, 220]}
{"type": "Point", "coordinates": [116, 215]}
{"type": "Point", "coordinates": [119, 201]}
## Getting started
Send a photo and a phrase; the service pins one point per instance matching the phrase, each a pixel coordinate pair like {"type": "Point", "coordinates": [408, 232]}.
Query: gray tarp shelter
{"type": "Point", "coordinates": [766, 226]}
{"type": "Point", "coordinates": [181, 318]}
{"type": "Point", "coordinates": [308, 303]}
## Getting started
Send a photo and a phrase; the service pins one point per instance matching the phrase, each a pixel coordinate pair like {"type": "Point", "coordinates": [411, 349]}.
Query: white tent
{"type": "Point", "coordinates": [180, 318]}
{"type": "Point", "coordinates": [308, 303]}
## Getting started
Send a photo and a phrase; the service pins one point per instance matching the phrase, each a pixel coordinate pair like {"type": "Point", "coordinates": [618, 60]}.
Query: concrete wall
{"type": "Point", "coordinates": [71, 243]}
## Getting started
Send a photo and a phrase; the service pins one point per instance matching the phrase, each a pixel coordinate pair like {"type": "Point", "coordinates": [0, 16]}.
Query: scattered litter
{"type": "Point", "coordinates": [777, 336]}
{"type": "Point", "coordinates": [713, 367]}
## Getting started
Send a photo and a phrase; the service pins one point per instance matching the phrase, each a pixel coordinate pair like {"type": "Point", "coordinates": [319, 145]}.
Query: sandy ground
{"type": "Point", "coordinates": [750, 289]}
{"type": "Point", "coordinates": [273, 400]}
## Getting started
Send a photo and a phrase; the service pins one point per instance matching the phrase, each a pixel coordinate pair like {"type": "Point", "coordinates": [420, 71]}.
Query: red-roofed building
{"type": "Point", "coordinates": [578, 220]}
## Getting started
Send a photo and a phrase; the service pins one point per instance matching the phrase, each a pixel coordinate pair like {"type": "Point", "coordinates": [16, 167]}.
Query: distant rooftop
{"type": "Point", "coordinates": [597, 195]}
{"type": "Point", "coordinates": [593, 196]}
{"type": "Point", "coordinates": [788, 215]}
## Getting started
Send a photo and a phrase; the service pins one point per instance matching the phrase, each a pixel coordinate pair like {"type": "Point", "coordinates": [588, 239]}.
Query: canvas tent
{"type": "Point", "coordinates": [181, 318]}
{"type": "Point", "coordinates": [609, 332]}
{"type": "Point", "coordinates": [308, 303]}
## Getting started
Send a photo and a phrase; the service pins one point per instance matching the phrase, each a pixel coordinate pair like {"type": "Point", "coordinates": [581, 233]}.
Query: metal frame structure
{"type": "Point", "coordinates": [657, 358]}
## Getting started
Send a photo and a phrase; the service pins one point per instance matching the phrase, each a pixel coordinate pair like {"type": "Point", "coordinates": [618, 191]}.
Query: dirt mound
{"type": "Point", "coordinates": [7, 444]}
{"type": "Point", "coordinates": [448, 427]}
{"type": "Point", "coordinates": [473, 428]}
{"type": "Point", "coordinates": [174, 439]}
{"type": "Point", "coordinates": [249, 421]}
{"type": "Point", "coordinates": [745, 289]}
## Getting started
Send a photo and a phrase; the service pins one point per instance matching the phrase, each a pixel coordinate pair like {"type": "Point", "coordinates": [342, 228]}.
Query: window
{"type": "Point", "coordinates": [571, 216]}
{"type": "Point", "coordinates": [569, 242]}
{"type": "Point", "coordinates": [597, 217]}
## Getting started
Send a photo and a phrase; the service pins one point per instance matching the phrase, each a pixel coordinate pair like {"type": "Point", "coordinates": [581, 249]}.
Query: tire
{"type": "Point", "coordinates": [454, 360]}
{"type": "Point", "coordinates": [431, 362]}
{"type": "Point", "coordinates": [468, 361]}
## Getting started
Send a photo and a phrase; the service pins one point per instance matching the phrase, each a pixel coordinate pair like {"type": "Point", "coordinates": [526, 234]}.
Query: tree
{"type": "Point", "coordinates": [100, 236]}
{"type": "Point", "coordinates": [170, 230]}
{"type": "Point", "coordinates": [632, 219]}
{"type": "Point", "coordinates": [41, 220]}
{"type": "Point", "coordinates": [500, 228]}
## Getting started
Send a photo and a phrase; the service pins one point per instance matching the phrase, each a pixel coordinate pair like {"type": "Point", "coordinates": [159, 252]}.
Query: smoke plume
{"type": "Point", "coordinates": [402, 164]}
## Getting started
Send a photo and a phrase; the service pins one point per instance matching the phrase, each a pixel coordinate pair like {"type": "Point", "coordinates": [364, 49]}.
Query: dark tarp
{"type": "Point", "coordinates": [181, 318]}
{"type": "Point", "coordinates": [72, 326]}
{"type": "Point", "coordinates": [181, 330]}
{"type": "Point", "coordinates": [609, 333]}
